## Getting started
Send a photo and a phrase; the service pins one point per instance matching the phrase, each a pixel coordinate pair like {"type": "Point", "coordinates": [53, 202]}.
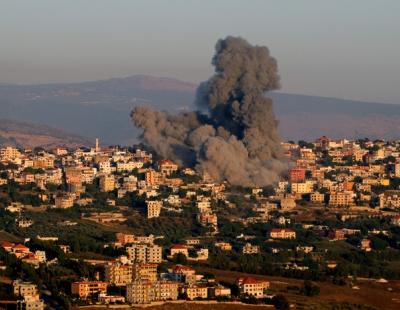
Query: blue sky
{"type": "Point", "coordinates": [340, 48]}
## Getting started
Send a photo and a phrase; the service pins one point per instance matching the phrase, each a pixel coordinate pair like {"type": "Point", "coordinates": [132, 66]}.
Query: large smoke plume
{"type": "Point", "coordinates": [236, 139]}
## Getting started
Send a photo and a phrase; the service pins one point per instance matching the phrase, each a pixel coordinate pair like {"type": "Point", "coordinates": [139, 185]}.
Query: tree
{"type": "Point", "coordinates": [268, 191]}
{"type": "Point", "coordinates": [280, 302]}
{"type": "Point", "coordinates": [305, 144]}
{"type": "Point", "coordinates": [38, 149]}
{"type": "Point", "coordinates": [378, 243]}
{"type": "Point", "coordinates": [180, 259]}
{"type": "Point", "coordinates": [310, 289]}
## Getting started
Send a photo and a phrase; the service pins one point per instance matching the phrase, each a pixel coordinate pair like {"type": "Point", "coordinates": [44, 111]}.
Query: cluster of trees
{"type": "Point", "coordinates": [54, 278]}
{"type": "Point", "coordinates": [27, 194]}
{"type": "Point", "coordinates": [174, 228]}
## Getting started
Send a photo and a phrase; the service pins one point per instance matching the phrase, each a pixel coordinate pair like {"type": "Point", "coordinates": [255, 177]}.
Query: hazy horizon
{"type": "Point", "coordinates": [335, 49]}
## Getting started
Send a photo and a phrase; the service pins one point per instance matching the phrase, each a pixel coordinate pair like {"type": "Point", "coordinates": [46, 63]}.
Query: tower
{"type": "Point", "coordinates": [97, 145]}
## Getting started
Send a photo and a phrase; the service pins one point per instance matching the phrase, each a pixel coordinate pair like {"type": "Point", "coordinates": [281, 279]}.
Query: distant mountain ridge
{"type": "Point", "coordinates": [101, 109]}
{"type": "Point", "coordinates": [28, 135]}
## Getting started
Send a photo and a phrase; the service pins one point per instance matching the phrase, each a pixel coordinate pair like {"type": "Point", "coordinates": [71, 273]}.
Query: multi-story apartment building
{"type": "Point", "coordinates": [287, 203]}
{"type": "Point", "coordinates": [30, 303]}
{"type": "Point", "coordinates": [153, 208]}
{"type": "Point", "coordinates": [139, 292]}
{"type": "Point", "coordinates": [167, 166]}
{"type": "Point", "coordinates": [390, 199]}
{"type": "Point", "coordinates": [194, 291]}
{"type": "Point", "coordinates": [165, 290]}
{"type": "Point", "coordinates": [182, 273]}
{"type": "Point", "coordinates": [128, 166]}
{"type": "Point", "coordinates": [23, 289]}
{"type": "Point", "coordinates": [88, 174]}
{"type": "Point", "coordinates": [179, 249]}
{"type": "Point", "coordinates": [9, 153]}
{"type": "Point", "coordinates": [152, 177]}
{"type": "Point", "coordinates": [144, 292]}
{"type": "Point", "coordinates": [341, 199]}
{"type": "Point", "coordinates": [317, 197]}
{"type": "Point", "coordinates": [64, 201]}
{"type": "Point", "coordinates": [119, 274]}
{"type": "Point", "coordinates": [44, 162]}
{"type": "Point", "coordinates": [252, 287]}
{"type": "Point", "coordinates": [107, 183]}
{"type": "Point", "coordinates": [85, 289]}
{"type": "Point", "coordinates": [124, 239]}
{"type": "Point", "coordinates": [208, 218]}
{"type": "Point", "coordinates": [203, 205]}
{"type": "Point", "coordinates": [397, 170]}
{"type": "Point", "coordinates": [297, 175]}
{"type": "Point", "coordinates": [145, 272]}
{"type": "Point", "coordinates": [143, 253]}
{"type": "Point", "coordinates": [104, 165]}
{"type": "Point", "coordinates": [302, 188]}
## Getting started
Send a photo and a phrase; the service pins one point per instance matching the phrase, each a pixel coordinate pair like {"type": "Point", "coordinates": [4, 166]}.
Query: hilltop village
{"type": "Point", "coordinates": [121, 226]}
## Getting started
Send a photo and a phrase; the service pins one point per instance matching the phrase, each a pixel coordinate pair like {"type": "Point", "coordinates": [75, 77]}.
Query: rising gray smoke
{"type": "Point", "coordinates": [237, 139]}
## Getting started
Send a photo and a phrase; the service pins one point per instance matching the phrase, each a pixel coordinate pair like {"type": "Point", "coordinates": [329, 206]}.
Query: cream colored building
{"type": "Point", "coordinates": [165, 290]}
{"type": "Point", "coordinates": [250, 249]}
{"type": "Point", "coordinates": [282, 233]}
{"type": "Point", "coordinates": [145, 272]}
{"type": "Point", "coordinates": [9, 153]}
{"type": "Point", "coordinates": [287, 203]}
{"type": "Point", "coordinates": [119, 274]}
{"type": "Point", "coordinates": [179, 249]}
{"type": "Point", "coordinates": [128, 166]}
{"type": "Point", "coordinates": [152, 177]}
{"type": "Point", "coordinates": [107, 183]}
{"type": "Point", "coordinates": [23, 289]}
{"type": "Point", "coordinates": [195, 291]}
{"type": "Point", "coordinates": [31, 303]}
{"type": "Point", "coordinates": [302, 188]}
{"type": "Point", "coordinates": [143, 253]}
{"type": "Point", "coordinates": [252, 287]}
{"type": "Point", "coordinates": [64, 201]}
{"type": "Point", "coordinates": [153, 208]}
{"type": "Point", "coordinates": [139, 292]}
{"type": "Point", "coordinates": [397, 170]}
{"type": "Point", "coordinates": [44, 162]}
{"type": "Point", "coordinates": [390, 199]}
{"type": "Point", "coordinates": [317, 197]}
{"type": "Point", "coordinates": [85, 289]}
{"type": "Point", "coordinates": [341, 199]}
{"type": "Point", "coordinates": [145, 292]}
{"type": "Point", "coordinates": [167, 166]}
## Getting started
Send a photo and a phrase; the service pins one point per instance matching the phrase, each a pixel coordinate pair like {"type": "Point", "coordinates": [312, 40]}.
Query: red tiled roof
{"type": "Point", "coordinates": [282, 229]}
{"type": "Point", "coordinates": [7, 244]}
{"type": "Point", "coordinates": [178, 246]}
{"type": "Point", "coordinates": [30, 256]}
{"type": "Point", "coordinates": [182, 268]}
{"type": "Point", "coordinates": [249, 280]}
{"type": "Point", "coordinates": [90, 282]}
{"type": "Point", "coordinates": [166, 162]}
{"type": "Point", "coordinates": [21, 246]}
